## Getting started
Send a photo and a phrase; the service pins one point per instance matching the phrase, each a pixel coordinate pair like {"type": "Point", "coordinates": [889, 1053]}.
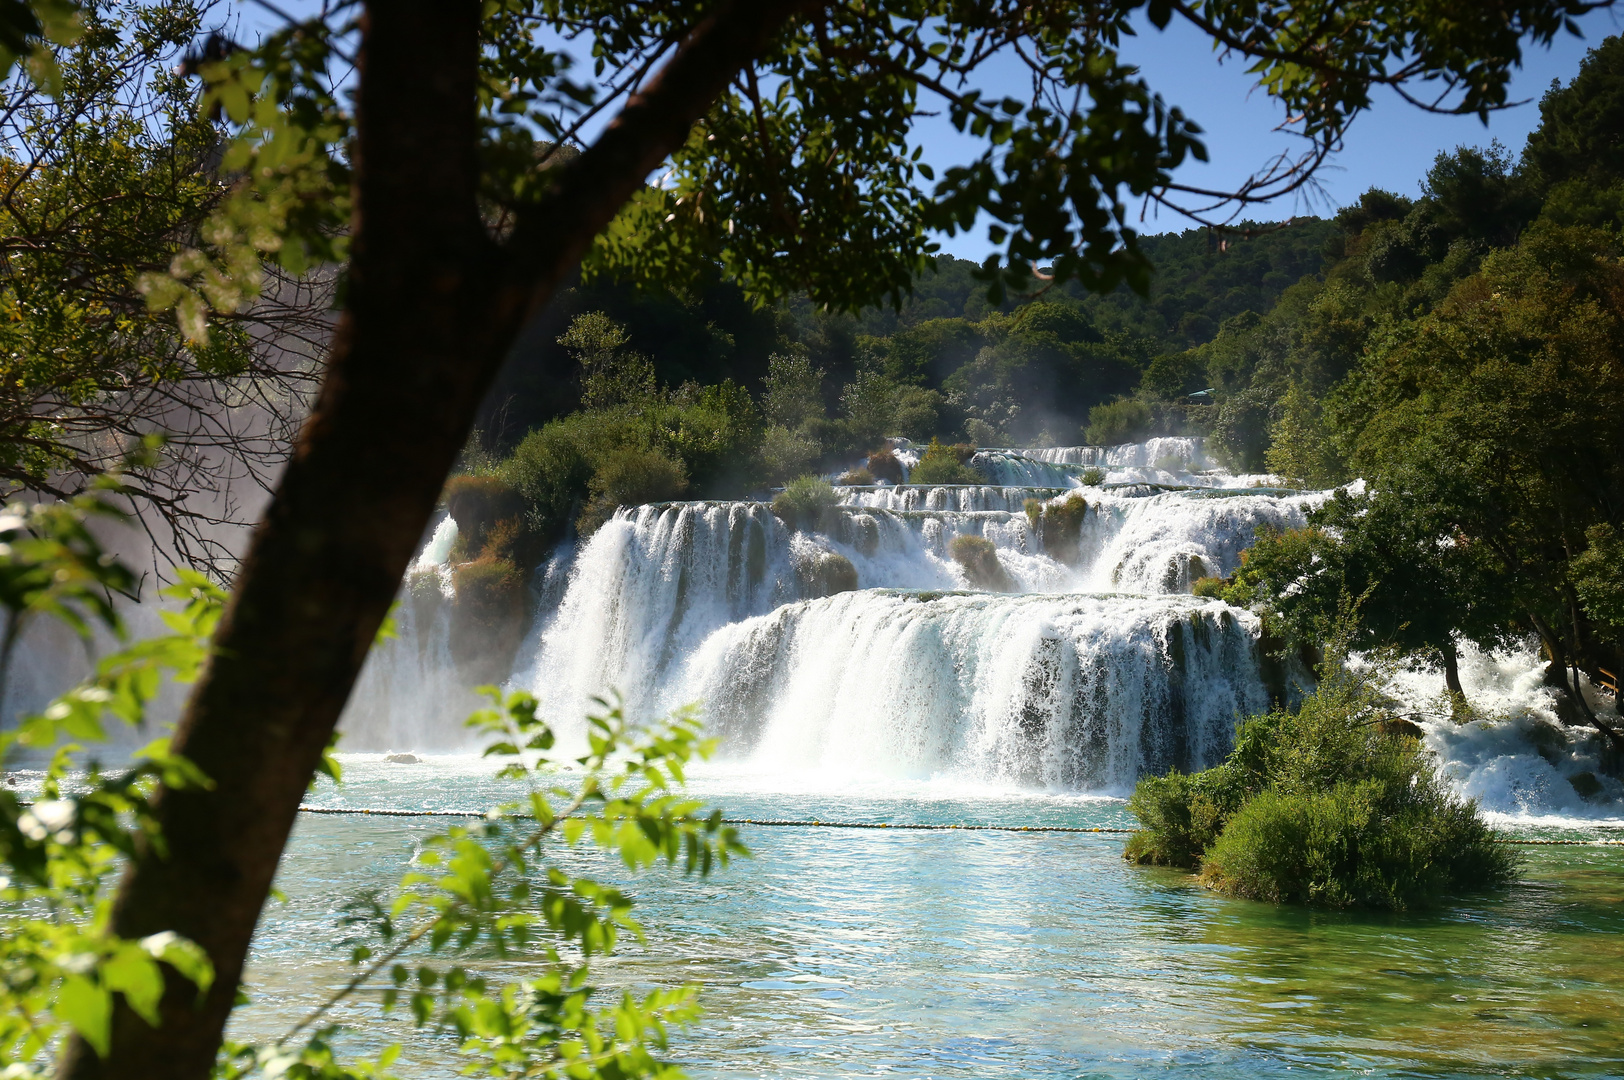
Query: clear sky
{"type": "Point", "coordinates": [1390, 147]}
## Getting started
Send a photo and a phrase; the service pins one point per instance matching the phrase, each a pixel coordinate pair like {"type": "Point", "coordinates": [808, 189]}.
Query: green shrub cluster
{"type": "Point", "coordinates": [1059, 525]}
{"type": "Point", "coordinates": [805, 502]}
{"type": "Point", "coordinates": [630, 476]}
{"type": "Point", "coordinates": [942, 464]}
{"type": "Point", "coordinates": [979, 558]}
{"type": "Point", "coordinates": [858, 477]}
{"type": "Point", "coordinates": [1093, 477]}
{"type": "Point", "coordinates": [694, 440]}
{"type": "Point", "coordinates": [1122, 421]}
{"type": "Point", "coordinates": [1327, 805]}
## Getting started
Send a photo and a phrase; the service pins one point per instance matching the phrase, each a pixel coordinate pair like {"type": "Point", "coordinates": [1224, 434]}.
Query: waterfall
{"type": "Point", "coordinates": [1065, 691]}
{"type": "Point", "coordinates": [965, 497]}
{"type": "Point", "coordinates": [1082, 664]}
{"type": "Point", "coordinates": [1097, 667]}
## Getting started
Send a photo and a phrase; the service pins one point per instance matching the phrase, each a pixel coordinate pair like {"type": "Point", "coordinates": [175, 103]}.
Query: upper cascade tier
{"type": "Point", "coordinates": [1168, 461]}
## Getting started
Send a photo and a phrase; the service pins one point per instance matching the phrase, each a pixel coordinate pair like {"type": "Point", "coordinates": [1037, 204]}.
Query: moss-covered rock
{"type": "Point", "coordinates": [479, 504]}
{"type": "Point", "coordinates": [805, 502]}
{"type": "Point", "coordinates": [1585, 785]}
{"type": "Point", "coordinates": [862, 532]}
{"type": "Point", "coordinates": [884, 465]}
{"type": "Point", "coordinates": [487, 616]}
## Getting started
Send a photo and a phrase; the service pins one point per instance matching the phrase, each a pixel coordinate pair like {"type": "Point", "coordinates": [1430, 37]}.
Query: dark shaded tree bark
{"type": "Point", "coordinates": [433, 306]}
{"type": "Point", "coordinates": [1452, 670]}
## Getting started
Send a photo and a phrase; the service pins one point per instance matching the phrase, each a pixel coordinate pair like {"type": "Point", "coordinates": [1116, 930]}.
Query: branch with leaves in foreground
{"type": "Point", "coordinates": [61, 964]}
{"type": "Point", "coordinates": [492, 890]}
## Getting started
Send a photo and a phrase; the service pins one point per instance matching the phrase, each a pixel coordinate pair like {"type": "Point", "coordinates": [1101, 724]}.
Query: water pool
{"type": "Point", "coordinates": [924, 954]}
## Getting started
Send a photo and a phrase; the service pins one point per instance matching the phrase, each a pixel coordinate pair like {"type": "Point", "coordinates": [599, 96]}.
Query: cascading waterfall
{"type": "Point", "coordinates": [961, 497]}
{"type": "Point", "coordinates": [1087, 667]}
{"type": "Point", "coordinates": [1096, 667]}
{"type": "Point", "coordinates": [1063, 691]}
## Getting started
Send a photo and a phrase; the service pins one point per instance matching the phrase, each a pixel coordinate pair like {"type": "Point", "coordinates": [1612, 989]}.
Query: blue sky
{"type": "Point", "coordinates": [1391, 146]}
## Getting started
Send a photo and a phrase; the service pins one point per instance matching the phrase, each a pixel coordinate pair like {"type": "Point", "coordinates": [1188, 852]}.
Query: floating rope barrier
{"type": "Point", "coordinates": [770, 822]}
{"type": "Point", "coordinates": [796, 823]}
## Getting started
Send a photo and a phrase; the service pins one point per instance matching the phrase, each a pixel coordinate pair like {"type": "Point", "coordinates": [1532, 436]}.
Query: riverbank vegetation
{"type": "Point", "coordinates": [422, 161]}
{"type": "Point", "coordinates": [1334, 804]}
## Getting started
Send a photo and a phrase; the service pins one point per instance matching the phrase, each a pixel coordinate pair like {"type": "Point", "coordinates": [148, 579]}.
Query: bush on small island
{"type": "Point", "coordinates": [1325, 806]}
{"type": "Point", "coordinates": [942, 464]}
{"type": "Point", "coordinates": [804, 502]}
{"type": "Point", "coordinates": [979, 558]}
{"type": "Point", "coordinates": [858, 477]}
{"type": "Point", "coordinates": [1093, 477]}
{"type": "Point", "coordinates": [1059, 525]}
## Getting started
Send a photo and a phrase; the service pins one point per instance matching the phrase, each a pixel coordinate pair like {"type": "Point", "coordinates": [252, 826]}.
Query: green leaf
{"type": "Point", "coordinates": [88, 1009]}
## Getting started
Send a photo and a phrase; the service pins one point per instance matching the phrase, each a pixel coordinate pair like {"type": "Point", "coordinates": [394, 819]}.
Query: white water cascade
{"type": "Point", "coordinates": [1087, 672]}
{"type": "Point", "coordinates": [1085, 669]}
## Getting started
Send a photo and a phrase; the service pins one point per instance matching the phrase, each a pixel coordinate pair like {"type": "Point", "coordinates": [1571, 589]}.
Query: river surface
{"type": "Point", "coordinates": [836, 953]}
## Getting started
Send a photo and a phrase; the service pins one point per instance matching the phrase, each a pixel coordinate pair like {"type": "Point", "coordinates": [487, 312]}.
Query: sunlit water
{"type": "Point", "coordinates": [976, 954]}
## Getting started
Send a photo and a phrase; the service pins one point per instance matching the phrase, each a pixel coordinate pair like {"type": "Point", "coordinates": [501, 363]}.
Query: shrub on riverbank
{"type": "Point", "coordinates": [1321, 806]}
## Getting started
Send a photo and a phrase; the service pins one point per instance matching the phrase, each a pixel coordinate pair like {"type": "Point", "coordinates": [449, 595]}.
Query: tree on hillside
{"type": "Point", "coordinates": [786, 131]}
{"type": "Point", "coordinates": [1575, 158]}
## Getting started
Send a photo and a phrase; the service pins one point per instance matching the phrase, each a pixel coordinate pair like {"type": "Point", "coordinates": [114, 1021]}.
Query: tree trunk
{"type": "Point", "coordinates": [1457, 694]}
{"type": "Point", "coordinates": [1571, 706]}
{"type": "Point", "coordinates": [433, 307]}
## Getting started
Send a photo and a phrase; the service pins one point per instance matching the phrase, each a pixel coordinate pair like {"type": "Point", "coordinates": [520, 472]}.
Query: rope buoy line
{"type": "Point", "coordinates": [793, 823]}
{"type": "Point", "coordinates": [773, 822]}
